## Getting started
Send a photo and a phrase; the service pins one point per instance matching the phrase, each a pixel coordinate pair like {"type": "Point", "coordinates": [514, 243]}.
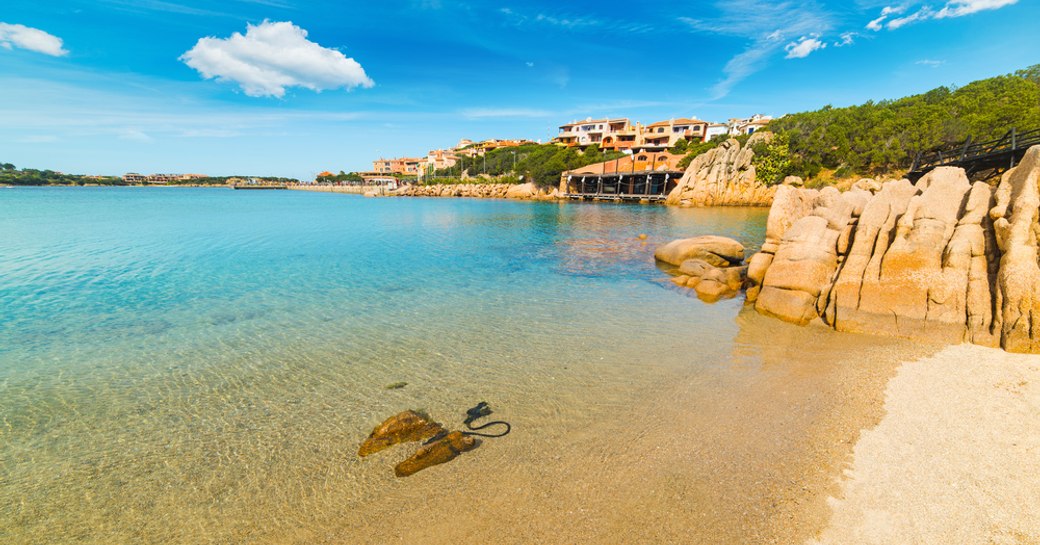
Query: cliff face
{"type": "Point", "coordinates": [943, 258]}
{"type": "Point", "coordinates": [723, 176]}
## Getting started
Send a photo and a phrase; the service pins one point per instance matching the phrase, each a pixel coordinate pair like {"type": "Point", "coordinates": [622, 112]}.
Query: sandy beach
{"type": "Point", "coordinates": [954, 460]}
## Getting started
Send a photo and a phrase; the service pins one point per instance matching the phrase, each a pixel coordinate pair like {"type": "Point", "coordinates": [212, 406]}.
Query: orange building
{"type": "Point", "coordinates": [664, 134]}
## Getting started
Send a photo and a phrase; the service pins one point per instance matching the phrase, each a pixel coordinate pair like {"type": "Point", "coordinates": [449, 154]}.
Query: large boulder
{"type": "Point", "coordinates": [714, 250]}
{"type": "Point", "coordinates": [522, 191]}
{"type": "Point", "coordinates": [723, 176]}
{"type": "Point", "coordinates": [1016, 229]}
{"type": "Point", "coordinates": [940, 259]}
{"type": "Point", "coordinates": [709, 265]}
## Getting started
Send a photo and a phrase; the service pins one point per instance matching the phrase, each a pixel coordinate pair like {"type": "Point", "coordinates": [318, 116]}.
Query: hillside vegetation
{"type": "Point", "coordinates": [540, 163]}
{"type": "Point", "coordinates": [11, 175]}
{"type": "Point", "coordinates": [883, 137]}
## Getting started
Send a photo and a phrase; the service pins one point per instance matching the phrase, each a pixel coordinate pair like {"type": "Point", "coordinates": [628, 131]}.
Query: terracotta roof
{"type": "Point", "coordinates": [680, 121]}
{"type": "Point", "coordinates": [583, 122]}
{"type": "Point", "coordinates": [662, 160]}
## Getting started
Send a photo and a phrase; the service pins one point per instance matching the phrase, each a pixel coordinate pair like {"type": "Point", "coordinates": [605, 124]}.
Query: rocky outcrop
{"type": "Point", "coordinates": [717, 251]}
{"type": "Point", "coordinates": [724, 176]}
{"type": "Point", "coordinates": [943, 258]}
{"type": "Point", "coordinates": [479, 190]}
{"type": "Point", "coordinates": [1016, 230]}
{"type": "Point", "coordinates": [709, 265]}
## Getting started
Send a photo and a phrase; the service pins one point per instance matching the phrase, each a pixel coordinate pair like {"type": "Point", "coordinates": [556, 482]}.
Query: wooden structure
{"type": "Point", "coordinates": [651, 185]}
{"type": "Point", "coordinates": [979, 160]}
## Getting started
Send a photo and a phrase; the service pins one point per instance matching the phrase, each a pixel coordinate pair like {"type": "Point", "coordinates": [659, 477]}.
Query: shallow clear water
{"type": "Point", "coordinates": [199, 365]}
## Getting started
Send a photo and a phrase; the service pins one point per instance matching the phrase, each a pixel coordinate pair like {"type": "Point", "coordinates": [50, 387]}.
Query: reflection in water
{"type": "Point", "coordinates": [186, 366]}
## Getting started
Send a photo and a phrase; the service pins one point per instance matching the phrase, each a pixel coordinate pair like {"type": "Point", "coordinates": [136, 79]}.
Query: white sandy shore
{"type": "Point", "coordinates": [956, 460]}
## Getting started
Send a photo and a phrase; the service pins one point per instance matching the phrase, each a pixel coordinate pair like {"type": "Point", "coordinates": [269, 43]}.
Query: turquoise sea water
{"type": "Point", "coordinates": [198, 365]}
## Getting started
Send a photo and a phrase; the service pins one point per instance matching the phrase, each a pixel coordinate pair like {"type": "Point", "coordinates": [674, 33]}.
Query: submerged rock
{"type": "Point", "coordinates": [400, 428]}
{"type": "Point", "coordinates": [442, 450]}
{"type": "Point", "coordinates": [714, 250]}
{"type": "Point", "coordinates": [709, 265]}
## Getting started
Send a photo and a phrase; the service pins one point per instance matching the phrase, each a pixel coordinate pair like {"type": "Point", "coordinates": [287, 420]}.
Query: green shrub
{"type": "Point", "coordinates": [879, 137]}
{"type": "Point", "coordinates": [772, 160]}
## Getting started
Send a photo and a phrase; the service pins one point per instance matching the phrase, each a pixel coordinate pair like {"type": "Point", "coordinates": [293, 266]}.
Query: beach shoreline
{"type": "Point", "coordinates": [954, 458]}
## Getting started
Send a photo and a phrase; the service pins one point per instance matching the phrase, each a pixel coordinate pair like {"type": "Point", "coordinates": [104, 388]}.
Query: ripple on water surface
{"type": "Point", "coordinates": [199, 365]}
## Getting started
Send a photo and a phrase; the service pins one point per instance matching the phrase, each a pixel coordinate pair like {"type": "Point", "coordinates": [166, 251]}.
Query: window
{"type": "Point", "coordinates": [641, 158]}
{"type": "Point", "coordinates": [660, 129]}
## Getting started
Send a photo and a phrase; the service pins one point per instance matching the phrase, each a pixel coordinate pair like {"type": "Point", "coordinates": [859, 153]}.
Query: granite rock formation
{"type": "Point", "coordinates": [943, 258]}
{"type": "Point", "coordinates": [717, 251]}
{"type": "Point", "coordinates": [724, 176]}
{"type": "Point", "coordinates": [712, 266]}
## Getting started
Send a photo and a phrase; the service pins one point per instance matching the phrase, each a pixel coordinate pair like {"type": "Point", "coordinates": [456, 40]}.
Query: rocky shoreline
{"type": "Point", "coordinates": [725, 176]}
{"type": "Point", "coordinates": [528, 191]}
{"type": "Point", "coordinates": [942, 259]}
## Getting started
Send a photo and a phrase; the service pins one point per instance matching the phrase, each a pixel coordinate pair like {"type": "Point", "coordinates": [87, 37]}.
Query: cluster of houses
{"type": "Point", "coordinates": [135, 178]}
{"type": "Point", "coordinates": [622, 134]}
{"type": "Point", "coordinates": [619, 134]}
{"type": "Point", "coordinates": [439, 159]}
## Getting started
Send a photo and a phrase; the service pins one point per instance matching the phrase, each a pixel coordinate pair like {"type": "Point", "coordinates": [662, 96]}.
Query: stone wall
{"type": "Point", "coordinates": [944, 258]}
{"type": "Point", "coordinates": [723, 176]}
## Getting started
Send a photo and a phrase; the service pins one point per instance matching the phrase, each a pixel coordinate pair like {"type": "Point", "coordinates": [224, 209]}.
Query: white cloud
{"type": "Point", "coordinates": [134, 135]}
{"type": "Point", "coordinates": [766, 24]}
{"type": "Point", "coordinates": [952, 8]}
{"type": "Point", "coordinates": [33, 39]}
{"type": "Point", "coordinates": [272, 56]}
{"type": "Point", "coordinates": [879, 23]}
{"type": "Point", "coordinates": [919, 15]}
{"type": "Point", "coordinates": [847, 38]}
{"type": "Point", "coordinates": [930, 62]}
{"type": "Point", "coordinates": [802, 47]}
{"type": "Point", "coordinates": [957, 8]}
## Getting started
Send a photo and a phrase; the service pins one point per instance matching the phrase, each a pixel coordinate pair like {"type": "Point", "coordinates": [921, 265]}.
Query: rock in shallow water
{"type": "Point", "coordinates": [714, 250]}
{"type": "Point", "coordinates": [709, 265]}
{"type": "Point", "coordinates": [443, 450]}
{"type": "Point", "coordinates": [400, 428]}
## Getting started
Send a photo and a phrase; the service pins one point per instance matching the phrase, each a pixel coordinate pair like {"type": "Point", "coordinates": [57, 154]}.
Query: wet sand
{"type": "Point", "coordinates": [689, 463]}
{"type": "Point", "coordinates": [956, 459]}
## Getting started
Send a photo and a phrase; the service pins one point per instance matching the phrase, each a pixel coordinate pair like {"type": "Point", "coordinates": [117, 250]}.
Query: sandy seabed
{"type": "Point", "coordinates": [955, 460]}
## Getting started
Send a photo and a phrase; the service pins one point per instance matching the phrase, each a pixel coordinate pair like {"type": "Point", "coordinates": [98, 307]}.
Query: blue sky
{"type": "Point", "coordinates": [293, 87]}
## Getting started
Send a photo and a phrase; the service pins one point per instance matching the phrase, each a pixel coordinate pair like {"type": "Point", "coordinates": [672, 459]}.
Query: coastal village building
{"type": "Point", "coordinates": [408, 166]}
{"type": "Point", "coordinates": [440, 159]}
{"type": "Point", "coordinates": [480, 148]}
{"type": "Point", "coordinates": [716, 130]}
{"type": "Point", "coordinates": [590, 131]}
{"type": "Point", "coordinates": [135, 178]}
{"type": "Point", "coordinates": [748, 126]}
{"type": "Point", "coordinates": [664, 134]}
{"type": "Point", "coordinates": [610, 134]}
{"type": "Point", "coordinates": [621, 134]}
